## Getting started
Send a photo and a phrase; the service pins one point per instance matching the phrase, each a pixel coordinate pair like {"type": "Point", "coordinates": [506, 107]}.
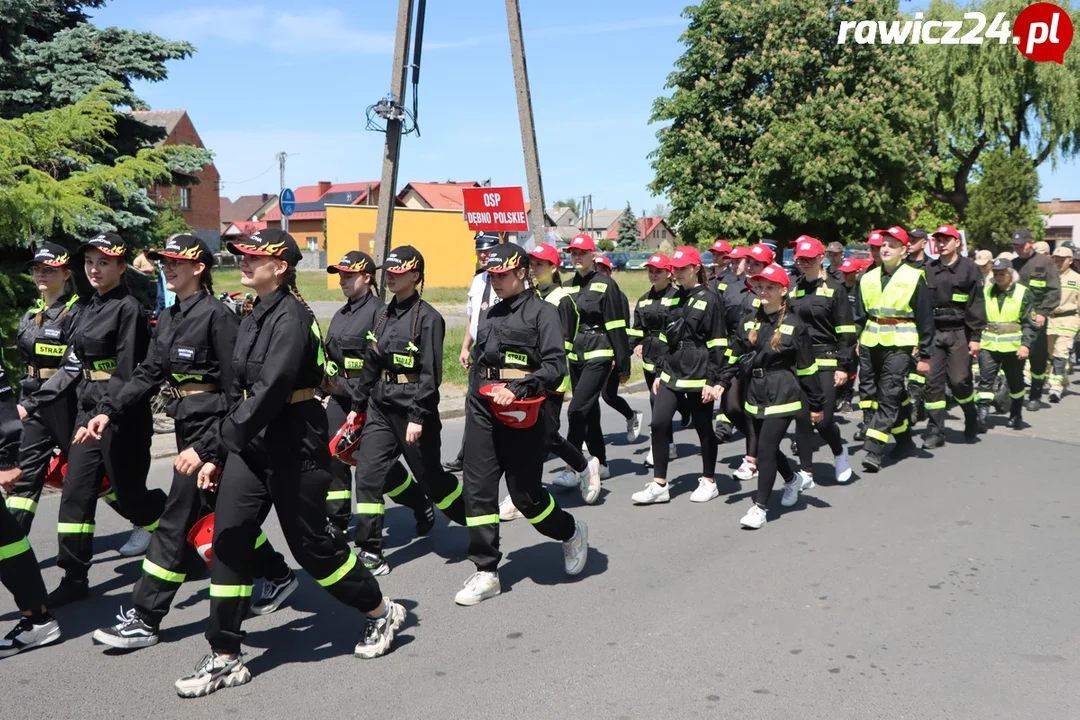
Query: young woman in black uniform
{"type": "Point", "coordinates": [276, 441]}
{"type": "Point", "coordinates": [822, 304]}
{"type": "Point", "coordinates": [398, 390]}
{"type": "Point", "coordinates": [650, 318]}
{"type": "Point", "coordinates": [694, 342]}
{"type": "Point", "coordinates": [191, 350]}
{"type": "Point", "coordinates": [108, 342]}
{"type": "Point", "coordinates": [520, 347]}
{"type": "Point", "coordinates": [776, 367]}
{"type": "Point", "coordinates": [611, 396]}
{"type": "Point", "coordinates": [346, 346]}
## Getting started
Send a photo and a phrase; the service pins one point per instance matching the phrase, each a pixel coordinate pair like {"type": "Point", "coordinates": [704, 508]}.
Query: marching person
{"type": "Point", "coordinates": [915, 256]}
{"type": "Point", "coordinates": [823, 307]}
{"type": "Point", "coordinates": [867, 378]}
{"type": "Point", "coordinates": [276, 442]}
{"type": "Point", "coordinates": [955, 284]}
{"type": "Point", "coordinates": [722, 275]}
{"type": "Point", "coordinates": [105, 346]}
{"type": "Point", "coordinates": [191, 350]}
{"type": "Point", "coordinates": [778, 370]}
{"type": "Point", "coordinates": [1039, 275]}
{"type": "Point", "coordinates": [346, 348]}
{"type": "Point", "coordinates": [693, 343]}
{"type": "Point", "coordinates": [601, 341]}
{"type": "Point", "coordinates": [1010, 333]}
{"type": "Point", "coordinates": [835, 255]}
{"type": "Point", "coordinates": [1063, 323]}
{"type": "Point", "coordinates": [398, 392]}
{"type": "Point", "coordinates": [520, 358]}
{"type": "Point", "coordinates": [845, 396]}
{"type": "Point", "coordinates": [610, 395]}
{"type": "Point", "coordinates": [895, 313]}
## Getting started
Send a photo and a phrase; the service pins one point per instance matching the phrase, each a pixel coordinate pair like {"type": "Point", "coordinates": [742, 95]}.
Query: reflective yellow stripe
{"type": "Point", "coordinates": [669, 302]}
{"type": "Point", "coordinates": [986, 396]}
{"type": "Point", "coordinates": [598, 287]}
{"type": "Point", "coordinates": [828, 363]}
{"type": "Point", "coordinates": [482, 520]}
{"type": "Point", "coordinates": [151, 568]}
{"type": "Point", "coordinates": [717, 342]}
{"type": "Point", "coordinates": [960, 297]}
{"type": "Point", "coordinates": [787, 329]}
{"type": "Point", "coordinates": [1035, 283]}
{"type": "Point", "coordinates": [812, 370]}
{"type": "Point", "coordinates": [230, 591]}
{"type": "Point", "coordinates": [936, 405]}
{"type": "Point", "coordinates": [46, 350]}
{"type": "Point", "coordinates": [341, 572]}
{"type": "Point", "coordinates": [751, 409]}
{"type": "Point", "coordinates": [1014, 395]}
{"type": "Point", "coordinates": [12, 549]}
{"type": "Point", "coordinates": [1038, 376]}
{"type": "Point", "coordinates": [784, 409]}
{"type": "Point", "coordinates": [370, 509]}
{"type": "Point", "coordinates": [321, 359]}
{"type": "Point", "coordinates": [916, 378]}
{"type": "Point", "coordinates": [24, 504]}
{"type": "Point", "coordinates": [75, 528]}
{"type": "Point", "coordinates": [564, 386]}
{"type": "Point", "coordinates": [840, 329]}
{"type": "Point", "coordinates": [513, 358]}
{"type": "Point", "coordinates": [261, 540]}
{"type": "Point", "coordinates": [339, 495]}
{"type": "Point", "coordinates": [614, 324]}
{"type": "Point", "coordinates": [873, 434]}
{"type": "Point", "coordinates": [867, 404]}
{"type": "Point", "coordinates": [354, 363]}
{"type": "Point", "coordinates": [400, 488]}
{"type": "Point", "coordinates": [568, 345]}
{"type": "Point", "coordinates": [648, 366]}
{"type": "Point", "coordinates": [635, 333]}
{"type": "Point", "coordinates": [663, 338]}
{"type": "Point", "coordinates": [693, 384]}
{"type": "Point", "coordinates": [152, 526]}
{"type": "Point", "coordinates": [547, 511]}
{"type": "Point", "coordinates": [594, 354]}
{"type": "Point", "coordinates": [109, 497]}
{"type": "Point", "coordinates": [965, 401]}
{"type": "Point", "coordinates": [901, 428]}
{"type": "Point", "coordinates": [449, 499]}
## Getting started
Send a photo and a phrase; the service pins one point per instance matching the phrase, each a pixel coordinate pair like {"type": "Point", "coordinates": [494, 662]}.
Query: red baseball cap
{"type": "Point", "coordinates": [720, 247]}
{"type": "Point", "coordinates": [546, 252]}
{"type": "Point", "coordinates": [603, 260]}
{"type": "Point", "coordinates": [850, 265]}
{"type": "Point", "coordinates": [582, 242]}
{"type": "Point", "coordinates": [739, 252]}
{"type": "Point", "coordinates": [808, 247]}
{"type": "Point", "coordinates": [948, 230]}
{"type": "Point", "coordinates": [774, 273]}
{"type": "Point", "coordinates": [660, 262]}
{"type": "Point", "coordinates": [762, 253]}
{"type": "Point", "coordinates": [685, 256]}
{"type": "Point", "coordinates": [898, 233]}
{"type": "Point", "coordinates": [875, 239]}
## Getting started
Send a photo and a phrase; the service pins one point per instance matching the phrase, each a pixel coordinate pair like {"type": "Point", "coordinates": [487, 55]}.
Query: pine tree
{"type": "Point", "coordinates": [628, 233]}
{"type": "Point", "coordinates": [1003, 199]}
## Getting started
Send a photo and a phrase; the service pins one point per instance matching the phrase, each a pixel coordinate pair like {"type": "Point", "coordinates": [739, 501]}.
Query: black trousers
{"type": "Point", "coordinates": [868, 386]}
{"type": "Point", "coordinates": [339, 500]}
{"type": "Point", "coordinates": [612, 398]}
{"type": "Point", "coordinates": [492, 450]}
{"type": "Point", "coordinates": [569, 454]}
{"type": "Point", "coordinates": [827, 428]}
{"type": "Point", "coordinates": [891, 367]}
{"type": "Point", "coordinates": [18, 566]}
{"type": "Point", "coordinates": [382, 441]}
{"type": "Point", "coordinates": [731, 405]}
{"type": "Point", "coordinates": [583, 416]}
{"type": "Point", "coordinates": [1039, 359]}
{"type": "Point", "coordinates": [650, 377]}
{"type": "Point", "coordinates": [949, 362]}
{"type": "Point", "coordinates": [990, 364]}
{"type": "Point", "coordinates": [122, 454]}
{"type": "Point", "coordinates": [50, 428]}
{"type": "Point", "coordinates": [770, 459]}
{"type": "Point", "coordinates": [669, 401]}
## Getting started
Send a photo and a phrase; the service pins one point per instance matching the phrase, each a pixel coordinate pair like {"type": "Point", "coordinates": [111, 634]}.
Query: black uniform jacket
{"type": "Point", "coordinates": [694, 339]}
{"type": "Point", "coordinates": [347, 343]}
{"type": "Point", "coordinates": [1040, 276]}
{"type": "Point", "coordinates": [957, 292]}
{"type": "Point", "coordinates": [720, 281]}
{"type": "Point", "coordinates": [602, 335]}
{"type": "Point", "coordinates": [823, 306]}
{"type": "Point", "coordinates": [522, 333]}
{"type": "Point", "coordinates": [43, 337]}
{"type": "Point", "coordinates": [568, 315]}
{"type": "Point", "coordinates": [650, 319]}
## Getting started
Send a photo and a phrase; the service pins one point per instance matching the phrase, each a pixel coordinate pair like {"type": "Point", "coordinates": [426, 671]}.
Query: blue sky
{"type": "Point", "coordinates": [297, 76]}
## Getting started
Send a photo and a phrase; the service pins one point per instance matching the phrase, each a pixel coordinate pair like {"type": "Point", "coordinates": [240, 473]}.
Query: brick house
{"type": "Point", "coordinates": [200, 203]}
{"type": "Point", "coordinates": [246, 208]}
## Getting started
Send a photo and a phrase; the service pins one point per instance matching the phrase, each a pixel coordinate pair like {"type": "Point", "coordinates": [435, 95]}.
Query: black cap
{"type": "Point", "coordinates": [507, 256]}
{"type": "Point", "coordinates": [404, 259]}
{"type": "Point", "coordinates": [354, 261]}
{"type": "Point", "coordinates": [50, 254]}
{"type": "Point", "coordinates": [109, 243]}
{"type": "Point", "coordinates": [270, 242]}
{"type": "Point", "coordinates": [184, 247]}
{"type": "Point", "coordinates": [917, 234]}
{"type": "Point", "coordinates": [1021, 236]}
{"type": "Point", "coordinates": [486, 241]}
{"type": "Point", "coordinates": [1001, 264]}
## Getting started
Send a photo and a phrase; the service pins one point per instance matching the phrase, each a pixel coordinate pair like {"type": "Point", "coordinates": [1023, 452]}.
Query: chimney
{"type": "Point", "coordinates": [324, 187]}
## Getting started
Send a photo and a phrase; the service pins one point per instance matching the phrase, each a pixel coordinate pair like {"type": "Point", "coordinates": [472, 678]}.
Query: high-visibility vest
{"type": "Point", "coordinates": [555, 297]}
{"type": "Point", "coordinates": [1003, 331]}
{"type": "Point", "coordinates": [892, 306]}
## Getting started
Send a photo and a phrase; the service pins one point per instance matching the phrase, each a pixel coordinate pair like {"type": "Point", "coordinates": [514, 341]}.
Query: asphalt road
{"type": "Point", "coordinates": [939, 588]}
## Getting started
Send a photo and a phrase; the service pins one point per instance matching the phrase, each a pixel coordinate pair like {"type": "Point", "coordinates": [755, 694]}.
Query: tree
{"type": "Point", "coordinates": [169, 221]}
{"type": "Point", "coordinates": [661, 210]}
{"type": "Point", "coordinates": [569, 203]}
{"type": "Point", "coordinates": [774, 128]}
{"type": "Point", "coordinates": [605, 245]}
{"type": "Point", "coordinates": [994, 97]}
{"type": "Point", "coordinates": [1004, 198]}
{"type": "Point", "coordinates": [628, 232]}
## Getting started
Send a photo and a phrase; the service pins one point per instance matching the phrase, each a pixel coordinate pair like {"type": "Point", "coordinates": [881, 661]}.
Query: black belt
{"type": "Point", "coordinates": [762, 372]}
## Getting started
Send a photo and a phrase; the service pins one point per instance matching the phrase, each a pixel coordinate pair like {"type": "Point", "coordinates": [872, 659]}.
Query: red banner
{"type": "Point", "coordinates": [495, 209]}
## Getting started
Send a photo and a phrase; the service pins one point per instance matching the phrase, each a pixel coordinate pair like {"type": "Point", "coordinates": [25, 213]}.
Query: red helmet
{"type": "Point", "coordinates": [201, 537]}
{"type": "Point", "coordinates": [521, 413]}
{"type": "Point", "coordinates": [347, 440]}
{"type": "Point", "coordinates": [54, 476]}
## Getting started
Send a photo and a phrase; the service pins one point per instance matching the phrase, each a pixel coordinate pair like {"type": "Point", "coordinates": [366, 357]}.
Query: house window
{"type": "Point", "coordinates": [185, 198]}
{"type": "Point", "coordinates": [663, 234]}
{"type": "Point", "coordinates": [312, 243]}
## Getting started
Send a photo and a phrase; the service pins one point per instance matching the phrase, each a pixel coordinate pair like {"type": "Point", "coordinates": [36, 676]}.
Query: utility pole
{"type": "Point", "coordinates": [281, 167]}
{"type": "Point", "coordinates": [384, 223]}
{"type": "Point", "coordinates": [525, 116]}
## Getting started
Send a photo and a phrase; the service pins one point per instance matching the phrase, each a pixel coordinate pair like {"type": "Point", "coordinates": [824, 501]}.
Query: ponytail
{"type": "Point", "coordinates": [702, 278]}
{"type": "Point", "coordinates": [289, 280]}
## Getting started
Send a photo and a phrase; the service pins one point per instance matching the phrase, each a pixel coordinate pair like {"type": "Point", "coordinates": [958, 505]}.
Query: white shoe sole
{"type": "Point", "coordinates": [397, 618]}
{"type": "Point", "coordinates": [477, 599]}
{"type": "Point", "coordinates": [843, 477]}
{"type": "Point", "coordinates": [751, 526]}
{"type": "Point", "coordinates": [279, 600]}
{"type": "Point", "coordinates": [651, 499]}
{"type": "Point", "coordinates": [123, 643]}
{"type": "Point", "coordinates": [49, 639]}
{"type": "Point", "coordinates": [590, 489]}
{"type": "Point", "coordinates": [704, 499]}
{"type": "Point", "coordinates": [576, 570]}
{"type": "Point", "coordinates": [233, 679]}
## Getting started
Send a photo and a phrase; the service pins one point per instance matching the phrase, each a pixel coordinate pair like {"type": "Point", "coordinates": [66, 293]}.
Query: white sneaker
{"type": "Point", "coordinates": [746, 471]}
{"type": "Point", "coordinates": [807, 480]}
{"type": "Point", "coordinates": [213, 673]}
{"type": "Point", "coordinates": [508, 511]}
{"type": "Point", "coordinates": [754, 519]}
{"type": "Point", "coordinates": [843, 467]}
{"type": "Point", "coordinates": [590, 482]}
{"type": "Point", "coordinates": [649, 459]}
{"type": "Point", "coordinates": [706, 491]}
{"type": "Point", "coordinates": [379, 632]}
{"type": "Point", "coordinates": [479, 587]}
{"type": "Point", "coordinates": [566, 479]}
{"type": "Point", "coordinates": [654, 492]}
{"type": "Point", "coordinates": [26, 635]}
{"type": "Point", "coordinates": [633, 427]}
{"type": "Point", "coordinates": [605, 472]}
{"type": "Point", "coordinates": [576, 549]}
{"type": "Point", "coordinates": [137, 542]}
{"type": "Point", "coordinates": [791, 491]}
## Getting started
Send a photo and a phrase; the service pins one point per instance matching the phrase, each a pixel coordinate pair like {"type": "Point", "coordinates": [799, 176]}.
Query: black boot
{"type": "Point", "coordinates": [982, 417]}
{"type": "Point", "coordinates": [68, 591]}
{"type": "Point", "coordinates": [933, 439]}
{"type": "Point", "coordinates": [971, 423]}
{"type": "Point", "coordinates": [1016, 414]}
{"type": "Point", "coordinates": [904, 446]}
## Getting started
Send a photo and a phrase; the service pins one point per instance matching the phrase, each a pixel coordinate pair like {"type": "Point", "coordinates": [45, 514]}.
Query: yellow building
{"type": "Point", "coordinates": [441, 236]}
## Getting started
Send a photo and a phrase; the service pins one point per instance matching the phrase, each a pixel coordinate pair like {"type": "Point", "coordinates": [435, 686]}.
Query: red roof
{"type": "Point", "coordinates": [440, 196]}
{"type": "Point", "coordinates": [645, 227]}
{"type": "Point", "coordinates": [311, 200]}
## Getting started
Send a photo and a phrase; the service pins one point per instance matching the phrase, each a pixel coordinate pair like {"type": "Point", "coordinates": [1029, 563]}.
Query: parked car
{"type": "Point", "coordinates": [567, 264]}
{"type": "Point", "coordinates": [618, 260]}
{"type": "Point", "coordinates": [787, 260]}
{"type": "Point", "coordinates": [637, 260]}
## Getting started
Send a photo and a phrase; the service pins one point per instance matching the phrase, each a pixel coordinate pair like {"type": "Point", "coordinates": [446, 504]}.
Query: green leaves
{"type": "Point", "coordinates": [1004, 198]}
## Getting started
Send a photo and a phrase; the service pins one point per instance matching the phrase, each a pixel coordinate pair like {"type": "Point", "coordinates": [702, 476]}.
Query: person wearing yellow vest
{"type": "Point", "coordinates": [1010, 332]}
{"type": "Point", "coordinates": [1064, 322]}
{"type": "Point", "coordinates": [895, 314]}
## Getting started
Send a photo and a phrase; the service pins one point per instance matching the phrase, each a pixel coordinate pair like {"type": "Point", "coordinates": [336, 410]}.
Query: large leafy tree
{"type": "Point", "coordinates": [774, 129]}
{"type": "Point", "coordinates": [1004, 198]}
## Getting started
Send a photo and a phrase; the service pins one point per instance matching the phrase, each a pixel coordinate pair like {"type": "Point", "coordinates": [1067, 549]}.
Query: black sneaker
{"type": "Point", "coordinates": [933, 441]}
{"type": "Point", "coordinates": [871, 463]}
{"type": "Point", "coordinates": [379, 632]}
{"type": "Point", "coordinates": [26, 635]}
{"type": "Point", "coordinates": [274, 594]}
{"type": "Point", "coordinates": [425, 520]}
{"type": "Point", "coordinates": [1016, 422]}
{"type": "Point", "coordinates": [213, 673]}
{"type": "Point", "coordinates": [454, 465]}
{"type": "Point", "coordinates": [131, 633]}
{"type": "Point", "coordinates": [374, 562]}
{"type": "Point", "coordinates": [68, 591]}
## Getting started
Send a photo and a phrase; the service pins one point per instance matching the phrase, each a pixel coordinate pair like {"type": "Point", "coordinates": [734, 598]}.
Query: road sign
{"type": "Point", "coordinates": [495, 209]}
{"type": "Point", "coordinates": [287, 201]}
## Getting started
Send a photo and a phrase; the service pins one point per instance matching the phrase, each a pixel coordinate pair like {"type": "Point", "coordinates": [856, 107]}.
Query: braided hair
{"type": "Point", "coordinates": [289, 280]}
